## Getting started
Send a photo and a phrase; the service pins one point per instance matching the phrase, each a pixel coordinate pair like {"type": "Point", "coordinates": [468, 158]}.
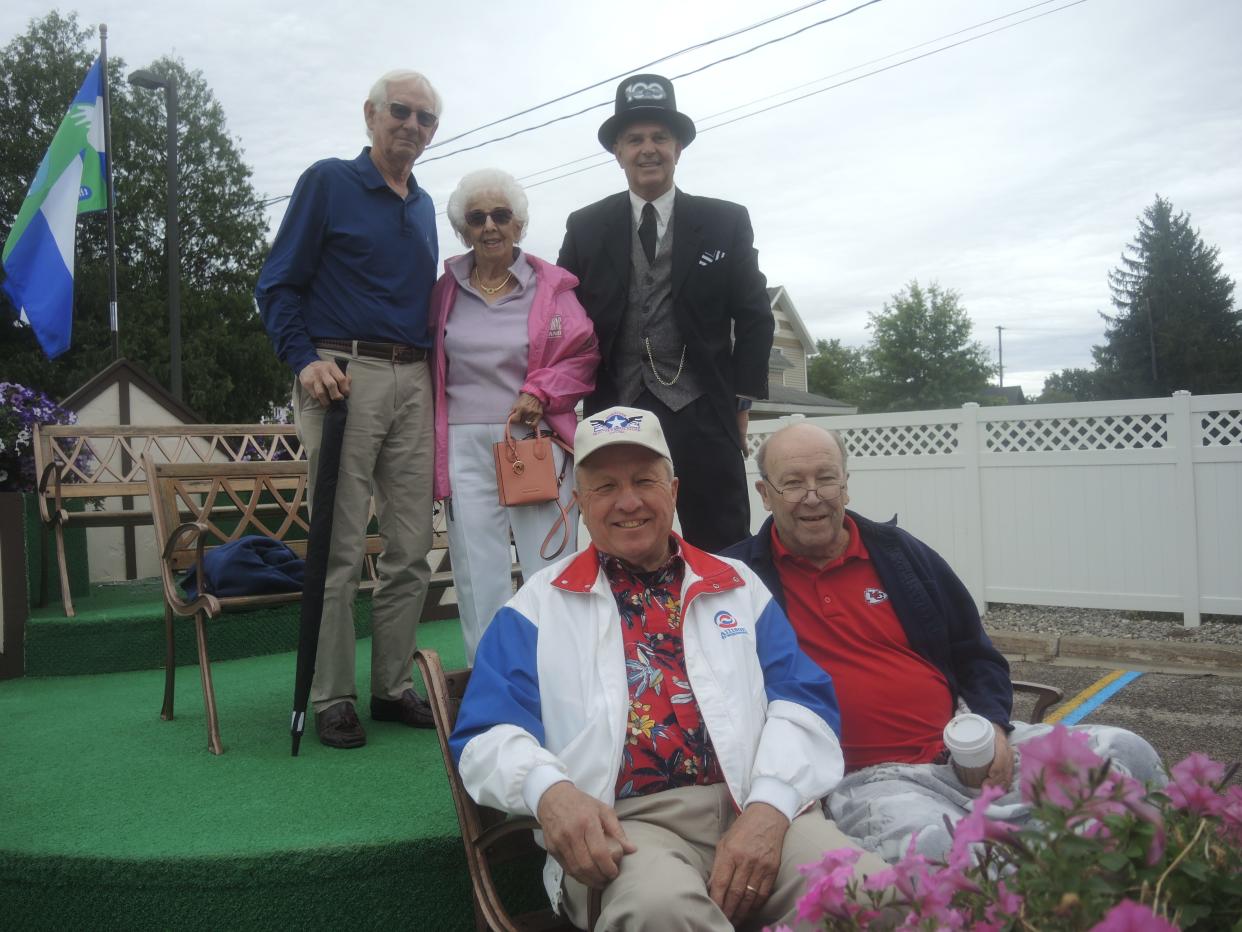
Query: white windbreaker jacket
{"type": "Point", "coordinates": [548, 698]}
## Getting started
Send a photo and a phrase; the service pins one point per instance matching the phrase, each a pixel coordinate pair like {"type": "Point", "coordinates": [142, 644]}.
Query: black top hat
{"type": "Point", "coordinates": [646, 97]}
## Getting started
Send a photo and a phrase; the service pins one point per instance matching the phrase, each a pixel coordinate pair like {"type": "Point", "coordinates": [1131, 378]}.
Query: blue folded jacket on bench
{"type": "Point", "coordinates": [252, 565]}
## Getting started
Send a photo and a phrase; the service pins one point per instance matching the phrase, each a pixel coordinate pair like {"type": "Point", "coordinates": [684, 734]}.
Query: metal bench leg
{"type": "Point", "coordinates": [214, 743]}
{"type": "Point", "coordinates": [170, 665]}
{"type": "Point", "coordinates": [65, 595]}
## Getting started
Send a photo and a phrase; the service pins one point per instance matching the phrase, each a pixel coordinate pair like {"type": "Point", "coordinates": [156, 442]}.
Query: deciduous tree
{"type": "Point", "coordinates": [922, 354]}
{"type": "Point", "coordinates": [835, 370]}
{"type": "Point", "coordinates": [230, 372]}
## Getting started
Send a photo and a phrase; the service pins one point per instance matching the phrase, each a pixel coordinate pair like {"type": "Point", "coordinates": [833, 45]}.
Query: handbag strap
{"type": "Point", "coordinates": [563, 523]}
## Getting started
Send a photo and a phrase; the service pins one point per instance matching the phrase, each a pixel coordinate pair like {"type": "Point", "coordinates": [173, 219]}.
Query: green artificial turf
{"type": "Point", "coordinates": [120, 627]}
{"type": "Point", "coordinates": [112, 818]}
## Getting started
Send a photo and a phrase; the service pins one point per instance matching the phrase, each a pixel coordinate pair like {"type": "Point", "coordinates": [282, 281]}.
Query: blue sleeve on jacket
{"type": "Point", "coordinates": [504, 684]}
{"type": "Point", "coordinates": [289, 269]}
{"type": "Point", "coordinates": [790, 674]}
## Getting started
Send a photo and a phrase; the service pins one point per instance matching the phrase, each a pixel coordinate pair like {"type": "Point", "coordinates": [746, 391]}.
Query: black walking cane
{"type": "Point", "coordinates": [318, 544]}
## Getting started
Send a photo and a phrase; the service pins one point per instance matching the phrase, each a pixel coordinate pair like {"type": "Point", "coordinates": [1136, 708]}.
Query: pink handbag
{"type": "Point", "coordinates": [526, 475]}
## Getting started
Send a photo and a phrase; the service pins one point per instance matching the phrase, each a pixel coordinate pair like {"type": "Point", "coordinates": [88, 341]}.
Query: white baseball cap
{"type": "Point", "coordinates": [619, 424]}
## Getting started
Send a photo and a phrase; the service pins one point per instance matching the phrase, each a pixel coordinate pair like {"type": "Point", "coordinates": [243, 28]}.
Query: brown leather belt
{"type": "Point", "coordinates": [393, 352]}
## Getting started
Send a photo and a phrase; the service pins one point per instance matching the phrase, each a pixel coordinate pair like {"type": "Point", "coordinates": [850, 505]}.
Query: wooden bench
{"type": "Point", "coordinates": [102, 468]}
{"type": "Point", "coordinates": [199, 506]}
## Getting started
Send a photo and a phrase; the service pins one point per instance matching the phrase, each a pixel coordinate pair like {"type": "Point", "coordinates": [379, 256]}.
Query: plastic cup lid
{"type": "Point", "coordinates": [971, 739]}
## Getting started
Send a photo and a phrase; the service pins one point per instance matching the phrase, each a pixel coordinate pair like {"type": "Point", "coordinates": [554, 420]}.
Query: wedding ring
{"type": "Point", "coordinates": [752, 889]}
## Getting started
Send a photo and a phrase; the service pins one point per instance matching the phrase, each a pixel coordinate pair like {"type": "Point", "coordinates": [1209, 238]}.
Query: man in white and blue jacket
{"type": "Point", "coordinates": [649, 704]}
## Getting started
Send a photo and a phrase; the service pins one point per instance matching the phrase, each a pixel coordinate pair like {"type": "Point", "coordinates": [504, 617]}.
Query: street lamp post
{"type": "Point", "coordinates": [152, 81]}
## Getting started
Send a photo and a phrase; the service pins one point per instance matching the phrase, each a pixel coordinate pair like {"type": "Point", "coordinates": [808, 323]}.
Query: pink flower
{"type": "Point", "coordinates": [1006, 901]}
{"type": "Point", "coordinates": [1117, 795]}
{"type": "Point", "coordinates": [977, 827]}
{"type": "Point", "coordinates": [1059, 763]}
{"type": "Point", "coordinates": [1231, 815]}
{"type": "Point", "coordinates": [827, 883]}
{"type": "Point", "coordinates": [1194, 782]}
{"type": "Point", "coordinates": [1128, 916]}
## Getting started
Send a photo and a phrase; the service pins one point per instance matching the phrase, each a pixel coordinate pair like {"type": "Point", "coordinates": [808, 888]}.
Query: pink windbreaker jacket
{"type": "Point", "coordinates": [560, 369]}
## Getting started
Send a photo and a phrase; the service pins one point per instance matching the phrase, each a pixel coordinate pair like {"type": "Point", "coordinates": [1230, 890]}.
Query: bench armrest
{"type": "Point", "coordinates": [196, 531]}
{"type": "Point", "coordinates": [58, 515]}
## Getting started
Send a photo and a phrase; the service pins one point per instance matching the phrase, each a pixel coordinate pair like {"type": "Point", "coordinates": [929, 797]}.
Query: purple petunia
{"type": "Point", "coordinates": [20, 409]}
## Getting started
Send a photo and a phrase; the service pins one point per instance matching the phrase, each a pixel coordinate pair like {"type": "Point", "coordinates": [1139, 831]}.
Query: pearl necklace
{"type": "Point", "coordinates": [490, 291]}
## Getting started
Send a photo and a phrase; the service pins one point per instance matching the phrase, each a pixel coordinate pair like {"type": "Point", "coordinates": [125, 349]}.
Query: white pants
{"type": "Point", "coordinates": [479, 527]}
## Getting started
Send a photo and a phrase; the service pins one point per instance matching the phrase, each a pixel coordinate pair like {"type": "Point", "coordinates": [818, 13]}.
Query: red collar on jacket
{"type": "Point", "coordinates": [714, 574]}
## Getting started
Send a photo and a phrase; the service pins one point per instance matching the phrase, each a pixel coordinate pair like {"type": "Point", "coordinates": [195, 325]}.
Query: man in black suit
{"type": "Point", "coordinates": [680, 307]}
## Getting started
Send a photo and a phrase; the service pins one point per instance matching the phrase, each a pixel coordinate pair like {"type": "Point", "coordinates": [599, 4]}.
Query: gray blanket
{"type": "Point", "coordinates": [884, 806]}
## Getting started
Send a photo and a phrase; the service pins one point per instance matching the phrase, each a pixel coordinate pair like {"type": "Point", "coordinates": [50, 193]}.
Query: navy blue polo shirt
{"type": "Point", "coordinates": [352, 261]}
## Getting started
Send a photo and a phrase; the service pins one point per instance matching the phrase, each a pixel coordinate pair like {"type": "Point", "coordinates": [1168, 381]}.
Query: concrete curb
{"type": "Point", "coordinates": [1125, 653]}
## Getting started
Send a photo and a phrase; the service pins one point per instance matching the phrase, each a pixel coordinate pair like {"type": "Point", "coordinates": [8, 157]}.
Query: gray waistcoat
{"type": "Point", "coordinates": [649, 316]}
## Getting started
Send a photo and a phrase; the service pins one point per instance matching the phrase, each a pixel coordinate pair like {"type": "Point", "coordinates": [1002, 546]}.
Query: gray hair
{"type": "Point", "coordinates": [487, 181]}
{"type": "Point", "coordinates": [761, 454]}
{"type": "Point", "coordinates": [379, 90]}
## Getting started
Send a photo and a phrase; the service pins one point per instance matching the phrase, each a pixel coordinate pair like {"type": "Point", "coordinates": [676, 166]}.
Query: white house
{"type": "Point", "coordinates": [791, 346]}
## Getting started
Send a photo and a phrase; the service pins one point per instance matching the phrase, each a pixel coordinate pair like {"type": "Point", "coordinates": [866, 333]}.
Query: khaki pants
{"type": "Point", "coordinates": [387, 453]}
{"type": "Point", "coordinates": [663, 885]}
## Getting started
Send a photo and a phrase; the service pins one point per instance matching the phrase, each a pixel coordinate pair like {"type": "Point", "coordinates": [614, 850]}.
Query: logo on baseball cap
{"type": "Point", "coordinates": [619, 425]}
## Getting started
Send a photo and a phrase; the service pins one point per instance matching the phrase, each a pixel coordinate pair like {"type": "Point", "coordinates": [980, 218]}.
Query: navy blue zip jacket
{"type": "Point", "coordinates": [933, 606]}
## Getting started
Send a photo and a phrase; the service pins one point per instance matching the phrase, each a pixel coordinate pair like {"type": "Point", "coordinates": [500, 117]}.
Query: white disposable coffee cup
{"type": "Point", "coordinates": [971, 740]}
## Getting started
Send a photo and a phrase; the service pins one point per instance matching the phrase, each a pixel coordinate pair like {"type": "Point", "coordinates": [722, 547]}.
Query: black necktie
{"type": "Point", "coordinates": [647, 231]}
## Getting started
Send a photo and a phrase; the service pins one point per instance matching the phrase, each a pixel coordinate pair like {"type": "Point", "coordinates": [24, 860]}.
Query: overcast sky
{"type": "Point", "coordinates": [1011, 168]}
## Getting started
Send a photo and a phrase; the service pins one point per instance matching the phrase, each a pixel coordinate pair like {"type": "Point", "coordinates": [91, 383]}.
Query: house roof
{"type": "Point", "coordinates": [1011, 393]}
{"type": "Point", "coordinates": [784, 400]}
{"type": "Point", "coordinates": [778, 360]}
{"type": "Point", "coordinates": [778, 295]}
{"type": "Point", "coordinates": [122, 370]}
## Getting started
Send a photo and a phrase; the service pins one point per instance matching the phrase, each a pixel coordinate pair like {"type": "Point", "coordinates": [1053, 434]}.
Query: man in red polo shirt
{"type": "Point", "coordinates": [900, 635]}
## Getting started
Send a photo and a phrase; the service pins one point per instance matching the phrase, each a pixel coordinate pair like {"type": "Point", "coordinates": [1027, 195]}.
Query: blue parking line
{"type": "Point", "coordinates": [1078, 714]}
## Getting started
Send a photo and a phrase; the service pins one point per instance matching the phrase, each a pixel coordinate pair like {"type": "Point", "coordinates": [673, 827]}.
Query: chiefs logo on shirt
{"type": "Point", "coordinates": [874, 596]}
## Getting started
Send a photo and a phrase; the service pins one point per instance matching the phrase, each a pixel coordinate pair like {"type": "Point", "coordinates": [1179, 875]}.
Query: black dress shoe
{"type": "Point", "coordinates": [338, 726]}
{"type": "Point", "coordinates": [411, 709]}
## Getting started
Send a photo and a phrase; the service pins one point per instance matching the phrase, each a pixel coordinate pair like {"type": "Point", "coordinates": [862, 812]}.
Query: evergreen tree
{"type": "Point", "coordinates": [230, 373]}
{"type": "Point", "coordinates": [921, 354]}
{"type": "Point", "coordinates": [1176, 326]}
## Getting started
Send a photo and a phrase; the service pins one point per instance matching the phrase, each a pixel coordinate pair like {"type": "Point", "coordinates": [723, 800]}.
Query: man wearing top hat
{"type": "Point", "coordinates": [680, 307]}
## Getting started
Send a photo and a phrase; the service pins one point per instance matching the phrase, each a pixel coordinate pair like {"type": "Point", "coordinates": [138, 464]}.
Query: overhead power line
{"type": "Point", "coordinates": [684, 74]}
{"type": "Point", "coordinates": [604, 159]}
{"type": "Point", "coordinates": [839, 84]}
{"type": "Point", "coordinates": [635, 70]}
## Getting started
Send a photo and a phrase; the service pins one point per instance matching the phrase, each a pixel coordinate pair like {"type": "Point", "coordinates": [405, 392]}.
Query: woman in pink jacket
{"type": "Point", "coordinates": [512, 343]}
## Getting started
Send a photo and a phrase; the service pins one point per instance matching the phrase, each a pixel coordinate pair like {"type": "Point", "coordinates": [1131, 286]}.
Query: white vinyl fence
{"type": "Point", "coordinates": [1125, 504]}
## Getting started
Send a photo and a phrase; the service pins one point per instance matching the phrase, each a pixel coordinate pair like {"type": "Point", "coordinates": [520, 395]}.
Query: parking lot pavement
{"type": "Point", "coordinates": [1177, 713]}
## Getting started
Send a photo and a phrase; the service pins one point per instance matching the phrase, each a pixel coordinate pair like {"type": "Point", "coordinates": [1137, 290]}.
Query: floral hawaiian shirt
{"type": "Point", "coordinates": [667, 744]}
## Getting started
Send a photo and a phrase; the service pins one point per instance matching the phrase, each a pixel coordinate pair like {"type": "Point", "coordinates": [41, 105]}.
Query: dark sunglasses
{"type": "Point", "coordinates": [500, 216]}
{"type": "Point", "coordinates": [426, 118]}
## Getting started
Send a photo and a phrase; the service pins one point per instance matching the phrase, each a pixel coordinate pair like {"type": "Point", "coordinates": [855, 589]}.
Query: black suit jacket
{"type": "Point", "coordinates": [720, 298]}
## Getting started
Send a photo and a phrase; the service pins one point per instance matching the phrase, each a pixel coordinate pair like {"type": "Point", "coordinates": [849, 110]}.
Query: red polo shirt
{"type": "Point", "coordinates": [894, 704]}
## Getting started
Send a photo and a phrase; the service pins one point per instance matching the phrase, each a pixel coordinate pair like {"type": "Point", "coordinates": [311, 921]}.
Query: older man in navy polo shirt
{"type": "Point", "coordinates": [350, 277]}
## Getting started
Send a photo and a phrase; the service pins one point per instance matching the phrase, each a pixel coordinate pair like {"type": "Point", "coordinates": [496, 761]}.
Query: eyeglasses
{"type": "Point", "coordinates": [500, 216]}
{"type": "Point", "coordinates": [403, 112]}
{"type": "Point", "coordinates": [797, 494]}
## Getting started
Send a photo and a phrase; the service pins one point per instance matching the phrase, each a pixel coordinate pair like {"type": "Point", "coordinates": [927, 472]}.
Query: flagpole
{"type": "Point", "coordinates": [107, 105]}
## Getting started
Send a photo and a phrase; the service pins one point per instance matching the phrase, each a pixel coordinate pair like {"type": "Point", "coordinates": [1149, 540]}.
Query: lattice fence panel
{"type": "Point", "coordinates": [901, 440]}
{"type": "Point", "coordinates": [1220, 428]}
{"type": "Point", "coordinates": [1059, 434]}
